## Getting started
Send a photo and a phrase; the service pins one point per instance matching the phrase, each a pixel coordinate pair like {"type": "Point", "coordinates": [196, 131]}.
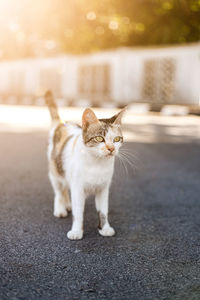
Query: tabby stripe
{"type": "Point", "coordinates": [57, 134]}
{"type": "Point", "coordinates": [58, 158]}
{"type": "Point", "coordinates": [74, 143]}
{"type": "Point", "coordinates": [53, 109]}
{"type": "Point", "coordinates": [102, 220]}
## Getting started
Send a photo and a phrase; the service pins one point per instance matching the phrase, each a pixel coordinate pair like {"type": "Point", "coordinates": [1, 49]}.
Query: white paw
{"type": "Point", "coordinates": [107, 231]}
{"type": "Point", "coordinates": [75, 234]}
{"type": "Point", "coordinates": [60, 213]}
{"type": "Point", "coordinates": [69, 207]}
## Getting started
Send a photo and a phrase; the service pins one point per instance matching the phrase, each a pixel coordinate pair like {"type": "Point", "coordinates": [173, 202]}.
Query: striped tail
{"type": "Point", "coordinates": [53, 109]}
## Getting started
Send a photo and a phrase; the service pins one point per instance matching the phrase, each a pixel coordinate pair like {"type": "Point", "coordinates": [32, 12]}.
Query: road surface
{"type": "Point", "coordinates": [154, 208]}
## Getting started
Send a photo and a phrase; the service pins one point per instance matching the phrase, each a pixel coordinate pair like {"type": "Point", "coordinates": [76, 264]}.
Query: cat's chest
{"type": "Point", "coordinates": [97, 175]}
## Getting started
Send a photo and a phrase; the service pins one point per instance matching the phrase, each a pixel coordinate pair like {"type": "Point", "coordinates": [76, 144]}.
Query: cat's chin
{"type": "Point", "coordinates": [105, 156]}
{"type": "Point", "coordinates": [109, 155]}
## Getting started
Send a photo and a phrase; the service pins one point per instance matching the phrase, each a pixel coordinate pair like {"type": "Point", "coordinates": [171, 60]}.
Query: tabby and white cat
{"type": "Point", "coordinates": [82, 160]}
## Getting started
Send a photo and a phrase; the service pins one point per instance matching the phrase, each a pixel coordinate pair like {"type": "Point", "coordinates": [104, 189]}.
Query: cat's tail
{"type": "Point", "coordinates": [53, 109]}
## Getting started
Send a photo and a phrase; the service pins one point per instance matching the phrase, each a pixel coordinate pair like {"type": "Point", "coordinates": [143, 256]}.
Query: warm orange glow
{"type": "Point", "coordinates": [80, 26]}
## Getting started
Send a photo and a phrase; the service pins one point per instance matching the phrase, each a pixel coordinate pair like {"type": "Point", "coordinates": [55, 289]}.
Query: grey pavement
{"type": "Point", "coordinates": [154, 208]}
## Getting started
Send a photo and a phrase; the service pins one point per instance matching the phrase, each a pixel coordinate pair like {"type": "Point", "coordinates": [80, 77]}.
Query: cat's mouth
{"type": "Point", "coordinates": [110, 154]}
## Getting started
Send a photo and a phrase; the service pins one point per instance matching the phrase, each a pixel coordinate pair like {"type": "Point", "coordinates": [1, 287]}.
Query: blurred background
{"type": "Point", "coordinates": [101, 53]}
{"type": "Point", "coordinates": [105, 54]}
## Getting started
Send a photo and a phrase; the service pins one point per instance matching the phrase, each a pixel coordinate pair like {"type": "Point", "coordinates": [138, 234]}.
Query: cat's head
{"type": "Point", "coordinates": [103, 137]}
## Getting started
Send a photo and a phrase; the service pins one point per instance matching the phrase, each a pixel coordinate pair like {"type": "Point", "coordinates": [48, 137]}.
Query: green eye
{"type": "Point", "coordinates": [99, 139]}
{"type": "Point", "coordinates": [117, 139]}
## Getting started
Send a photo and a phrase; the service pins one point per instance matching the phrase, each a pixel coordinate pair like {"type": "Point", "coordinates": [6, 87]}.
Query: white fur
{"type": "Point", "coordinates": [88, 170]}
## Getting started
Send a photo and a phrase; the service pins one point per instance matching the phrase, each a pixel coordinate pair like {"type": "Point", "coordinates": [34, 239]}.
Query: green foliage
{"type": "Point", "coordinates": [80, 26]}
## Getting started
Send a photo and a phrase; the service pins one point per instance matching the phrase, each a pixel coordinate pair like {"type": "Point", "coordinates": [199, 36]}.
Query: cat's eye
{"type": "Point", "coordinates": [99, 139]}
{"type": "Point", "coordinates": [117, 139]}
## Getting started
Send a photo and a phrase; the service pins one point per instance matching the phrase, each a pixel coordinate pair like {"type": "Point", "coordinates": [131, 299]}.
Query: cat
{"type": "Point", "coordinates": [81, 160]}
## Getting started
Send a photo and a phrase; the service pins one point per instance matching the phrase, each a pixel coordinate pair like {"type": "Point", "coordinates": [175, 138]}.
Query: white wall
{"type": "Point", "coordinates": [126, 80]}
{"type": "Point", "coordinates": [187, 74]}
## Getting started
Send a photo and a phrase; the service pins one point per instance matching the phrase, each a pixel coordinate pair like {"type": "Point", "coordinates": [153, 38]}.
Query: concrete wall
{"type": "Point", "coordinates": [163, 75]}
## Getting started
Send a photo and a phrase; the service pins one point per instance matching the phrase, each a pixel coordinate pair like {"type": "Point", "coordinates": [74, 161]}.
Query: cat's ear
{"type": "Point", "coordinates": [118, 117]}
{"type": "Point", "coordinates": [88, 118]}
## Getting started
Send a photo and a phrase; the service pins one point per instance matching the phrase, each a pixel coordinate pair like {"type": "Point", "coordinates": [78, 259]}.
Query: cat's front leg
{"type": "Point", "coordinates": [78, 205]}
{"type": "Point", "coordinates": [101, 200]}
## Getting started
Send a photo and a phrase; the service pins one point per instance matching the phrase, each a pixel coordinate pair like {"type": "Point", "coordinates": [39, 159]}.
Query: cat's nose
{"type": "Point", "coordinates": [110, 148]}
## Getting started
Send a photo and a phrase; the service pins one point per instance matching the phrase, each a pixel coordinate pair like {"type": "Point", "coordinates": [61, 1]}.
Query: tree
{"type": "Point", "coordinates": [79, 26]}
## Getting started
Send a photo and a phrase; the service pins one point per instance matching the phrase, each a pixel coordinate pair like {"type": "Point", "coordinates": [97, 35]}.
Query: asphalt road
{"type": "Point", "coordinates": [155, 210]}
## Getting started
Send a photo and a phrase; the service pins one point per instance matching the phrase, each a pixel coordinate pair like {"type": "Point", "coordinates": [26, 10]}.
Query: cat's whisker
{"type": "Point", "coordinates": [129, 153]}
{"type": "Point", "coordinates": [126, 164]}
{"type": "Point", "coordinates": [131, 157]}
{"type": "Point", "coordinates": [122, 164]}
{"type": "Point", "coordinates": [125, 167]}
{"type": "Point", "coordinates": [129, 162]}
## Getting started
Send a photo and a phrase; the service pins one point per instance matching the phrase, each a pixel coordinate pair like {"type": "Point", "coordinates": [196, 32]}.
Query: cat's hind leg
{"type": "Point", "coordinates": [61, 199]}
{"type": "Point", "coordinates": [67, 199]}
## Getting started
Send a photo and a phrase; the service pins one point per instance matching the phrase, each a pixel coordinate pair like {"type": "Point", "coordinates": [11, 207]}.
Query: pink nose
{"type": "Point", "coordinates": [110, 148]}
